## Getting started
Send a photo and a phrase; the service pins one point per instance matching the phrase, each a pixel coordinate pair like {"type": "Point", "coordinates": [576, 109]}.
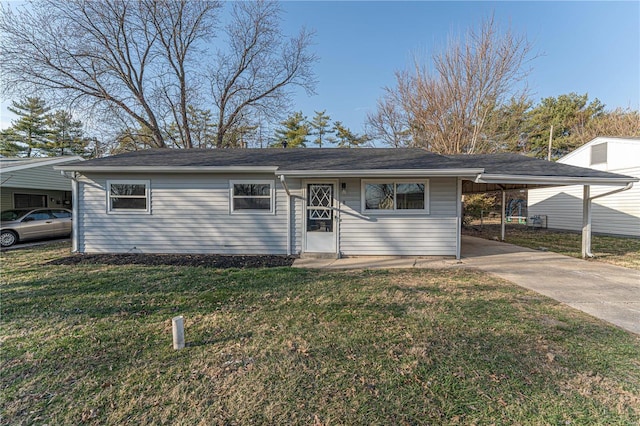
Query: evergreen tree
{"type": "Point", "coordinates": [65, 135]}
{"type": "Point", "coordinates": [345, 138]}
{"type": "Point", "coordinates": [29, 130]}
{"type": "Point", "coordinates": [8, 146]}
{"type": "Point", "coordinates": [320, 127]}
{"type": "Point", "coordinates": [131, 139]}
{"type": "Point", "coordinates": [294, 132]}
{"type": "Point", "coordinates": [568, 114]}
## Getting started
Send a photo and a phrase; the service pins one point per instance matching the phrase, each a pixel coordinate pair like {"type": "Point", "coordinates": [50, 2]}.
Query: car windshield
{"type": "Point", "coordinates": [12, 214]}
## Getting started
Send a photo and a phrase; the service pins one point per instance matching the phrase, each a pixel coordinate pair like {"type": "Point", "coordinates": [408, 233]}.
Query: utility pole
{"type": "Point", "coordinates": [550, 142]}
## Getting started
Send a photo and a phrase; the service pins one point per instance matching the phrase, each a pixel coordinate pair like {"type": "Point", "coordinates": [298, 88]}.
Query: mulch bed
{"type": "Point", "coordinates": [206, 260]}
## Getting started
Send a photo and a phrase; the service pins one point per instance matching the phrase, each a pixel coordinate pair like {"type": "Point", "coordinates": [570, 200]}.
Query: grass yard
{"type": "Point", "coordinates": [614, 250]}
{"type": "Point", "coordinates": [91, 344]}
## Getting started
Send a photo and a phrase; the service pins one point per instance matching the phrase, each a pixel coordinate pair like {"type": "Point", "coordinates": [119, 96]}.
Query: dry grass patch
{"type": "Point", "coordinates": [91, 344]}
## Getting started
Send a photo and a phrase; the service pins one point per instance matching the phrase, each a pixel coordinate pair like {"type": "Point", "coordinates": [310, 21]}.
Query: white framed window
{"type": "Point", "coordinates": [252, 196]}
{"type": "Point", "coordinates": [386, 196]}
{"type": "Point", "coordinates": [128, 196]}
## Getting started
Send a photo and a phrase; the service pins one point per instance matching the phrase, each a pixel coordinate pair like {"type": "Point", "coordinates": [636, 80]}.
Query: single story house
{"type": "Point", "coordinates": [616, 214]}
{"type": "Point", "coordinates": [32, 182]}
{"type": "Point", "coordinates": [323, 202]}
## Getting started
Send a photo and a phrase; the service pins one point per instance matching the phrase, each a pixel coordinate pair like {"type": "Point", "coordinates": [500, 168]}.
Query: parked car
{"type": "Point", "coordinates": [20, 225]}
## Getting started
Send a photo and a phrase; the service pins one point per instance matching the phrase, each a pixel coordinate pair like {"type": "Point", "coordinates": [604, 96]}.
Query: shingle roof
{"type": "Point", "coordinates": [336, 159]}
{"type": "Point", "coordinates": [519, 165]}
{"type": "Point", "coordinates": [283, 159]}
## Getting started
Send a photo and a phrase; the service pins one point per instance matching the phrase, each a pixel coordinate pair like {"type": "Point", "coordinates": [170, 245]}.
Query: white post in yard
{"type": "Point", "coordinates": [178, 332]}
{"type": "Point", "coordinates": [586, 222]}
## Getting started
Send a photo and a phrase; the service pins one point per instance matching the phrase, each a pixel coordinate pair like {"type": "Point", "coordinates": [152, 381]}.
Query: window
{"type": "Point", "coordinates": [61, 214]}
{"type": "Point", "coordinates": [131, 196]}
{"type": "Point", "coordinates": [40, 215]}
{"type": "Point", "coordinates": [27, 201]}
{"type": "Point", "coordinates": [399, 196]}
{"type": "Point", "coordinates": [599, 153]}
{"type": "Point", "coordinates": [252, 196]}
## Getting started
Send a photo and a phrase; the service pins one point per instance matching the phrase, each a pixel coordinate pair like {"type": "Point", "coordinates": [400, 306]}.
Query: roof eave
{"type": "Point", "coordinates": [51, 162]}
{"type": "Point", "coordinates": [553, 180]}
{"type": "Point", "coordinates": [167, 169]}
{"type": "Point", "coordinates": [471, 173]}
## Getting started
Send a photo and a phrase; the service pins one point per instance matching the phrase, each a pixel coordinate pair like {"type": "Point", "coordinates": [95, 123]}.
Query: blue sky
{"type": "Point", "coordinates": [585, 47]}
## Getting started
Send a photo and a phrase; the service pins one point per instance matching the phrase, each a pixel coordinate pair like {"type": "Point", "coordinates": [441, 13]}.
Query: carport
{"type": "Point", "coordinates": [507, 172]}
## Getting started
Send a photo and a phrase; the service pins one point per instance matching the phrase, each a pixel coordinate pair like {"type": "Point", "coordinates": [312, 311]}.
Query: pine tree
{"type": "Point", "coordinates": [8, 147]}
{"type": "Point", "coordinates": [346, 138]}
{"type": "Point", "coordinates": [320, 127]}
{"type": "Point", "coordinates": [294, 132]}
{"type": "Point", "coordinates": [66, 135]}
{"type": "Point", "coordinates": [29, 131]}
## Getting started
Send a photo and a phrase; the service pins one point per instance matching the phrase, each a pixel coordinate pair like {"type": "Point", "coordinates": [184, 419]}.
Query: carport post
{"type": "Point", "coordinates": [503, 215]}
{"type": "Point", "coordinates": [586, 222]}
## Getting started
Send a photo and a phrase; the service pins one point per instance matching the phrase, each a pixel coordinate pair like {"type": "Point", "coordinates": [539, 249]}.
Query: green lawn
{"type": "Point", "coordinates": [91, 344]}
{"type": "Point", "coordinates": [614, 250]}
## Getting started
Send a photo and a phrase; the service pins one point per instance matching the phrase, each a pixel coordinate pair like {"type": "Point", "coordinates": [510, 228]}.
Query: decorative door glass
{"type": "Point", "coordinates": [320, 207]}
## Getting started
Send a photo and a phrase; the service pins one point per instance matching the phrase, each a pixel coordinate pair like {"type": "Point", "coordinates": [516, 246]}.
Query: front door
{"type": "Point", "coordinates": [321, 224]}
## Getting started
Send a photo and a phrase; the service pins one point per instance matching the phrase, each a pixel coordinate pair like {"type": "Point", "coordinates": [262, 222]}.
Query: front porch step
{"type": "Point", "coordinates": [319, 256]}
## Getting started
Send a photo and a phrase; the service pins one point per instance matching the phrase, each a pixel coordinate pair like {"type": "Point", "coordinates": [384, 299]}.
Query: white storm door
{"type": "Point", "coordinates": [320, 226]}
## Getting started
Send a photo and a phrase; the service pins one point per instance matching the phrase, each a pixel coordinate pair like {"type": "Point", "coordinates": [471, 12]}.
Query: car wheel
{"type": "Point", "coordinates": [8, 238]}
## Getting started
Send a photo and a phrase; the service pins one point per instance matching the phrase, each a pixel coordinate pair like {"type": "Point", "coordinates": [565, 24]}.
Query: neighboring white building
{"type": "Point", "coordinates": [32, 182]}
{"type": "Point", "coordinates": [616, 214]}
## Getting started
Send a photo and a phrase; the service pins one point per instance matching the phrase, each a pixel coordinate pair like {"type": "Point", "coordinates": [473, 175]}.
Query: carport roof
{"type": "Point", "coordinates": [481, 172]}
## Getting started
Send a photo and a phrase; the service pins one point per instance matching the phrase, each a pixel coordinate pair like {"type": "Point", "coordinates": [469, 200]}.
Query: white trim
{"type": "Point", "coordinates": [147, 194]}
{"type": "Point", "coordinates": [36, 162]}
{"type": "Point", "coordinates": [272, 196]}
{"type": "Point", "coordinates": [336, 216]}
{"type": "Point", "coordinates": [471, 173]}
{"type": "Point", "coordinates": [169, 169]}
{"type": "Point", "coordinates": [394, 211]}
{"type": "Point", "coordinates": [552, 180]}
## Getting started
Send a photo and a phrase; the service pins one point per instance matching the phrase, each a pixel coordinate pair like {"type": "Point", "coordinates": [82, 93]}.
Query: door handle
{"type": "Point", "coordinates": [49, 221]}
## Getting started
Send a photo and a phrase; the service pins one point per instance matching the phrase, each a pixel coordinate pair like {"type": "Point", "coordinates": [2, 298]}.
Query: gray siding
{"type": "Point", "coordinates": [189, 214]}
{"type": "Point", "coordinates": [432, 234]}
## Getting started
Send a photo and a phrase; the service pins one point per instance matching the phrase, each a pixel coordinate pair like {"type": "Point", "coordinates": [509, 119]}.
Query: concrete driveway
{"type": "Point", "coordinates": [608, 292]}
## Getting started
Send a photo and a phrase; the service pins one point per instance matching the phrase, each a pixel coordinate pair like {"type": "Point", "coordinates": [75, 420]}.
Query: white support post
{"type": "Point", "coordinates": [458, 218]}
{"type": "Point", "coordinates": [75, 224]}
{"type": "Point", "coordinates": [503, 215]}
{"type": "Point", "coordinates": [586, 222]}
{"type": "Point", "coordinates": [178, 332]}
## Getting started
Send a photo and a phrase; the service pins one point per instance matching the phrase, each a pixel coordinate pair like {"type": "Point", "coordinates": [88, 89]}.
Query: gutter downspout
{"type": "Point", "coordinates": [286, 188]}
{"type": "Point", "coordinates": [74, 209]}
{"type": "Point", "coordinates": [586, 216]}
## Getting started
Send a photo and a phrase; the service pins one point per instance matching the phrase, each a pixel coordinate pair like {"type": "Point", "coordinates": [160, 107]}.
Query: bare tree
{"type": "Point", "coordinates": [447, 106]}
{"type": "Point", "coordinates": [254, 75]}
{"type": "Point", "coordinates": [389, 122]}
{"type": "Point", "coordinates": [624, 123]}
{"type": "Point", "coordinates": [129, 56]}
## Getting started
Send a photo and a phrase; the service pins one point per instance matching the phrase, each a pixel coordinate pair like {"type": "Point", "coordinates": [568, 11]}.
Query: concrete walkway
{"type": "Point", "coordinates": [608, 292]}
